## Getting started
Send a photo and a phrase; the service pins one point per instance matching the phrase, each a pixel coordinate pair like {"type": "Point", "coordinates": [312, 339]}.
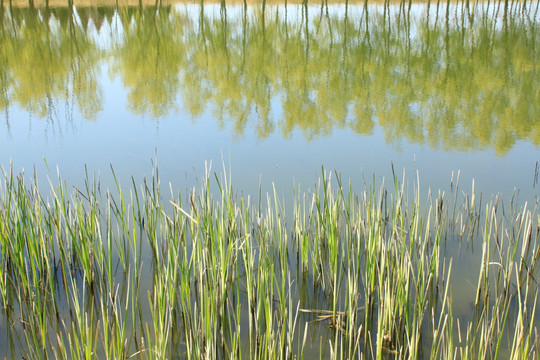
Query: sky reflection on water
{"type": "Point", "coordinates": [278, 98]}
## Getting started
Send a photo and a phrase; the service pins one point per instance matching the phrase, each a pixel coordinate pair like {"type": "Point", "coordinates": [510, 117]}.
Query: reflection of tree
{"type": "Point", "coordinates": [149, 59]}
{"type": "Point", "coordinates": [39, 63]}
{"type": "Point", "coordinates": [99, 16]}
{"type": "Point", "coordinates": [486, 95]}
{"type": "Point", "coordinates": [5, 75]}
{"type": "Point", "coordinates": [46, 62]}
{"type": "Point", "coordinates": [231, 76]}
{"type": "Point", "coordinates": [468, 84]}
{"type": "Point", "coordinates": [451, 85]}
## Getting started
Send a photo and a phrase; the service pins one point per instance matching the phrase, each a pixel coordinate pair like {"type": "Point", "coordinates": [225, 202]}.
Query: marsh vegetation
{"type": "Point", "coordinates": [378, 268]}
{"type": "Point", "coordinates": [207, 273]}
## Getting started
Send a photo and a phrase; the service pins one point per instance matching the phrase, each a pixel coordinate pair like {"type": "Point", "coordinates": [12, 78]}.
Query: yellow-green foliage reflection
{"type": "Point", "coordinates": [452, 76]}
{"type": "Point", "coordinates": [45, 56]}
{"type": "Point", "coordinates": [148, 59]}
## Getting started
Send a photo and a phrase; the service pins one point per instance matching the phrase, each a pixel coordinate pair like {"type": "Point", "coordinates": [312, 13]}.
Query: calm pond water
{"type": "Point", "coordinates": [275, 93]}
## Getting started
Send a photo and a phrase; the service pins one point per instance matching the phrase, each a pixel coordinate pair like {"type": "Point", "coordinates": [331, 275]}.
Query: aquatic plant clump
{"type": "Point", "coordinates": [92, 273]}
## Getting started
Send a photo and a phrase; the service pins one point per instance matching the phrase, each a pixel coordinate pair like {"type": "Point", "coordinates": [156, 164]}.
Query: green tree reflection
{"type": "Point", "coordinates": [449, 85]}
{"type": "Point", "coordinates": [149, 58]}
{"type": "Point", "coordinates": [460, 78]}
{"type": "Point", "coordinates": [5, 74]}
{"type": "Point", "coordinates": [47, 57]}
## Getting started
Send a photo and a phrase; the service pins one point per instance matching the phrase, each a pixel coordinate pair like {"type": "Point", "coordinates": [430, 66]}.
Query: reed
{"type": "Point", "coordinates": [208, 273]}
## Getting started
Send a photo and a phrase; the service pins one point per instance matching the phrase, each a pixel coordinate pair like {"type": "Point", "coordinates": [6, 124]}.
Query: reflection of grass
{"type": "Point", "coordinates": [207, 274]}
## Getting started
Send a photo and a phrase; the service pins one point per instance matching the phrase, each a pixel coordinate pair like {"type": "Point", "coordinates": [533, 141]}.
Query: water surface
{"type": "Point", "coordinates": [278, 90]}
{"type": "Point", "coordinates": [275, 92]}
